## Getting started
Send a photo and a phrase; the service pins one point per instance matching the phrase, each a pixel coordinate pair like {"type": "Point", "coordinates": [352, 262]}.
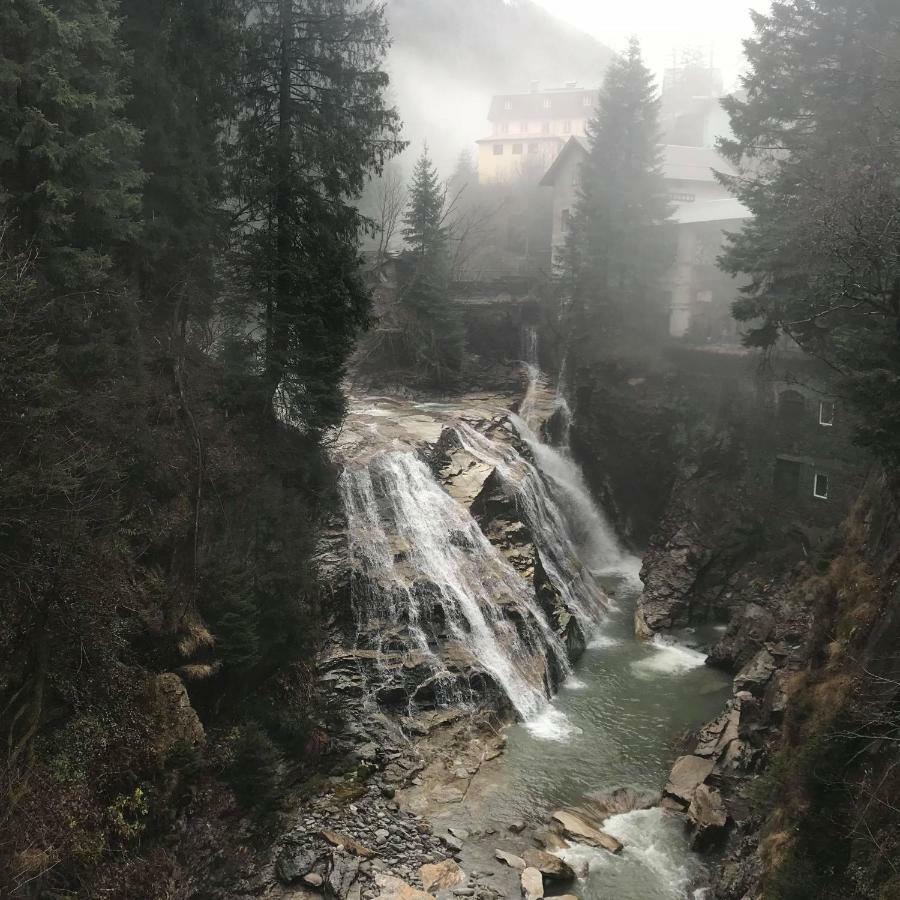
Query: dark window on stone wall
{"type": "Point", "coordinates": [791, 408]}
{"type": "Point", "coordinates": [787, 478]}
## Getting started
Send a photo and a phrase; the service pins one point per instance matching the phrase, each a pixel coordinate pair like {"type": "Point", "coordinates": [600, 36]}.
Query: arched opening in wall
{"type": "Point", "coordinates": [791, 408]}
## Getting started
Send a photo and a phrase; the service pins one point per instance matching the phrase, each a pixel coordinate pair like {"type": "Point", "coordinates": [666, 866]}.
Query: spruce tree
{"type": "Point", "coordinates": [69, 180]}
{"type": "Point", "coordinates": [616, 248]}
{"type": "Point", "coordinates": [436, 333]}
{"type": "Point", "coordinates": [185, 57]}
{"type": "Point", "coordinates": [314, 123]}
{"type": "Point", "coordinates": [816, 142]}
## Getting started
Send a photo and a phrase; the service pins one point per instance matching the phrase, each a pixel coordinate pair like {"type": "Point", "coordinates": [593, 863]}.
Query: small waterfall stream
{"type": "Point", "coordinates": [421, 558]}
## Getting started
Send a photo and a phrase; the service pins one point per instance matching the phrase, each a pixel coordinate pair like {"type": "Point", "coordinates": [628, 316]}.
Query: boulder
{"type": "Point", "coordinates": [707, 818]}
{"type": "Point", "coordinates": [576, 828]}
{"type": "Point", "coordinates": [441, 876]}
{"type": "Point", "coordinates": [755, 675]}
{"type": "Point", "coordinates": [510, 859]}
{"type": "Point", "coordinates": [342, 873]}
{"type": "Point", "coordinates": [532, 884]}
{"type": "Point", "coordinates": [687, 773]}
{"type": "Point", "coordinates": [313, 879]}
{"type": "Point", "coordinates": [551, 867]}
{"type": "Point", "coordinates": [293, 862]}
{"type": "Point", "coordinates": [517, 826]}
{"type": "Point", "coordinates": [391, 888]}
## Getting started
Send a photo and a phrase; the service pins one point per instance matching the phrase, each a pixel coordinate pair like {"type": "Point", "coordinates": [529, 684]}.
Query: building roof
{"type": "Point", "coordinates": [727, 209]}
{"type": "Point", "coordinates": [679, 163]}
{"type": "Point", "coordinates": [693, 163]}
{"type": "Point", "coordinates": [564, 104]}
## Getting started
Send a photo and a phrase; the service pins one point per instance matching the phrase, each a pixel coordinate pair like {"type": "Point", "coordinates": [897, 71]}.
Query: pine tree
{"type": "Point", "coordinates": [436, 332]}
{"type": "Point", "coordinates": [616, 247]}
{"type": "Point", "coordinates": [424, 228]}
{"type": "Point", "coordinates": [185, 57]}
{"type": "Point", "coordinates": [69, 181]}
{"type": "Point", "coordinates": [816, 140]}
{"type": "Point", "coordinates": [314, 124]}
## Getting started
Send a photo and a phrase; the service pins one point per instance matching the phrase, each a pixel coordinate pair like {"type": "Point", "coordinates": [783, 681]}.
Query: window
{"type": "Point", "coordinates": [683, 198]}
{"type": "Point", "coordinates": [545, 128]}
{"type": "Point", "coordinates": [498, 149]}
{"type": "Point", "coordinates": [826, 413]}
{"type": "Point", "coordinates": [787, 477]}
{"type": "Point", "coordinates": [524, 128]}
{"type": "Point", "coordinates": [507, 104]}
{"type": "Point", "coordinates": [565, 219]}
{"type": "Point", "coordinates": [820, 486]}
{"type": "Point", "coordinates": [587, 100]}
{"type": "Point", "coordinates": [567, 126]}
{"type": "Point", "coordinates": [791, 408]}
{"type": "Point", "coordinates": [547, 103]}
{"type": "Point", "coordinates": [504, 128]}
{"type": "Point", "coordinates": [534, 147]}
{"type": "Point", "coordinates": [517, 149]}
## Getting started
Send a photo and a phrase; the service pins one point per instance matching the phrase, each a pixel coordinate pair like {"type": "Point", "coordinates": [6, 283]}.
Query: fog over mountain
{"type": "Point", "coordinates": [447, 59]}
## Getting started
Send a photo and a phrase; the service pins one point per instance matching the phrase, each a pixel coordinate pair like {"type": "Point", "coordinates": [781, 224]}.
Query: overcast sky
{"type": "Point", "coordinates": [666, 25]}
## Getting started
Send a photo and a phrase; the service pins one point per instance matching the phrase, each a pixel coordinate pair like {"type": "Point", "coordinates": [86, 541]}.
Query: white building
{"type": "Point", "coordinates": [700, 294]}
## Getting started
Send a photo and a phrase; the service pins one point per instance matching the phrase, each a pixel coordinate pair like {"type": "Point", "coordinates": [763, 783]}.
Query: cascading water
{"type": "Point", "coordinates": [412, 546]}
{"type": "Point", "coordinates": [437, 602]}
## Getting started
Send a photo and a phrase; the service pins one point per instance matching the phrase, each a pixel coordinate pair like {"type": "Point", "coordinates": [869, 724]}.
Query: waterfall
{"type": "Point", "coordinates": [421, 558]}
{"type": "Point", "coordinates": [528, 406]}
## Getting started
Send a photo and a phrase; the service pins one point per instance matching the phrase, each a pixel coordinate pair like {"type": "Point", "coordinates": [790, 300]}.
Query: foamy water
{"type": "Point", "coordinates": [647, 836]}
{"type": "Point", "coordinates": [668, 657]}
{"type": "Point", "coordinates": [551, 725]}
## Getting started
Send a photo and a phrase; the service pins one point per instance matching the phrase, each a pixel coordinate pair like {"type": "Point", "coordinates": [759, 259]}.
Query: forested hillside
{"type": "Point", "coordinates": [179, 291]}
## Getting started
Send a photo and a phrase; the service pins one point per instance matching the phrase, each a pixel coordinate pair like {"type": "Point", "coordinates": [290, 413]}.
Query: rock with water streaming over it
{"type": "Point", "coordinates": [576, 828]}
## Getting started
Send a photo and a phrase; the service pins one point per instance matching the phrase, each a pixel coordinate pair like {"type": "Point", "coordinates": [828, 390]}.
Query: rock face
{"type": "Point", "coordinates": [551, 867]}
{"type": "Point", "coordinates": [576, 828]}
{"type": "Point", "coordinates": [294, 862]}
{"type": "Point", "coordinates": [748, 630]}
{"type": "Point", "coordinates": [532, 884]}
{"type": "Point", "coordinates": [177, 720]}
{"type": "Point", "coordinates": [687, 774]}
{"type": "Point", "coordinates": [707, 818]}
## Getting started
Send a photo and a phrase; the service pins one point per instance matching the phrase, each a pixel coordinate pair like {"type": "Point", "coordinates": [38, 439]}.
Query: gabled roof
{"type": "Point", "coordinates": [679, 163]}
{"type": "Point", "coordinates": [564, 104]}
{"type": "Point", "coordinates": [575, 144]}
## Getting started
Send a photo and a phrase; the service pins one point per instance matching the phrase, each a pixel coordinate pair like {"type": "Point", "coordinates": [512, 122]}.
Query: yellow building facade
{"type": "Point", "coordinates": [529, 130]}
